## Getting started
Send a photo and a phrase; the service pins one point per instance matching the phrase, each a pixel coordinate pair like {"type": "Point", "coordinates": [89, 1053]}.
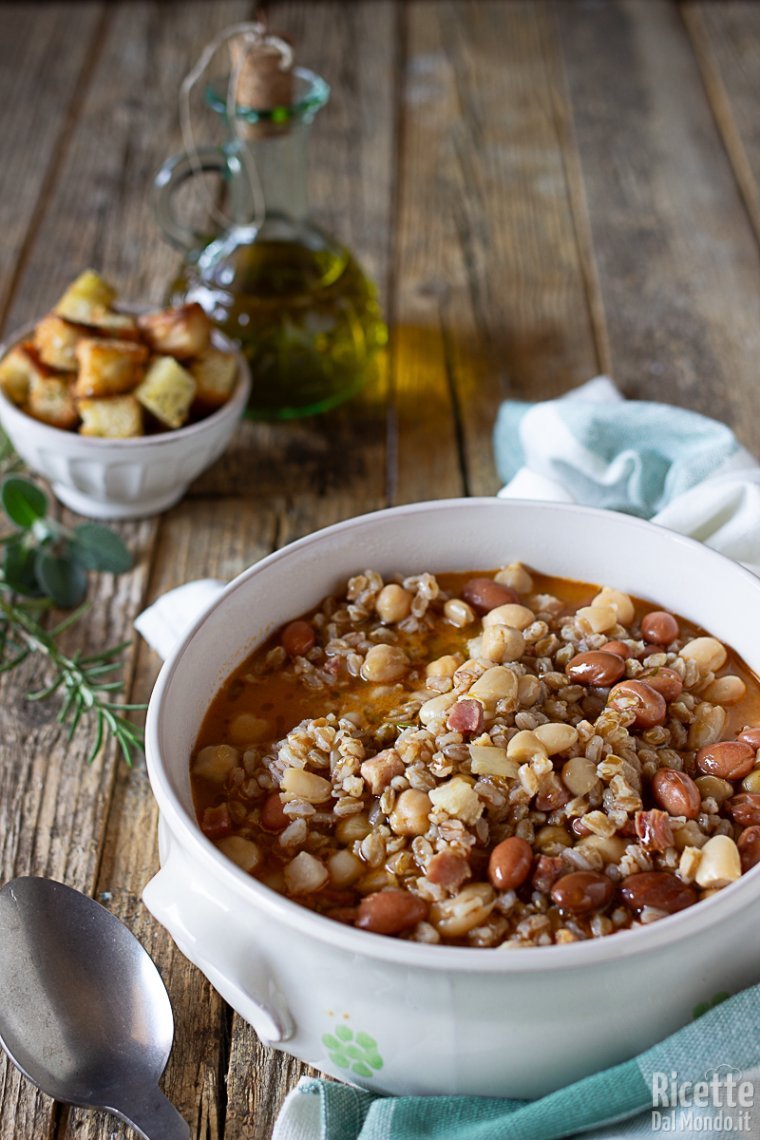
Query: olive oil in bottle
{"type": "Point", "coordinates": [307, 320]}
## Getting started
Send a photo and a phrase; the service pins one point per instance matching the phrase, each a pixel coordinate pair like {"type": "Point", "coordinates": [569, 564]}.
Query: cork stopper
{"type": "Point", "coordinates": [262, 76]}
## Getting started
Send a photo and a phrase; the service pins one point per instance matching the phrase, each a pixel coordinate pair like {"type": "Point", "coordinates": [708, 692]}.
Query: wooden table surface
{"type": "Point", "coordinates": [543, 191]}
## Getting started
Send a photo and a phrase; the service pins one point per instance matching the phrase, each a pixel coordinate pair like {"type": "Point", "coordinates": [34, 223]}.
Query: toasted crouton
{"type": "Point", "coordinates": [122, 326]}
{"type": "Point", "coordinates": [50, 400]}
{"type": "Point", "coordinates": [56, 341]}
{"type": "Point", "coordinates": [167, 391]}
{"type": "Point", "coordinates": [118, 417]}
{"type": "Point", "coordinates": [16, 371]}
{"type": "Point", "coordinates": [87, 294]}
{"type": "Point", "coordinates": [215, 374]}
{"type": "Point", "coordinates": [108, 367]}
{"type": "Point", "coordinates": [183, 332]}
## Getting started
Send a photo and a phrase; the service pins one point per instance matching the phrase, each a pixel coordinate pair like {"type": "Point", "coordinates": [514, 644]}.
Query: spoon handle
{"type": "Point", "coordinates": [153, 1116]}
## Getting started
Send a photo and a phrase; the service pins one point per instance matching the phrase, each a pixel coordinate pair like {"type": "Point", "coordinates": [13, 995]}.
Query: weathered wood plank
{"type": "Point", "coordinates": [45, 54]}
{"type": "Point", "coordinates": [490, 291]}
{"type": "Point", "coordinates": [676, 257]}
{"type": "Point", "coordinates": [726, 39]}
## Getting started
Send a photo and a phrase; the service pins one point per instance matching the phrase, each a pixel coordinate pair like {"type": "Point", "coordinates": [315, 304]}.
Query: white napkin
{"type": "Point", "coordinates": [168, 619]}
{"type": "Point", "coordinates": [675, 467]}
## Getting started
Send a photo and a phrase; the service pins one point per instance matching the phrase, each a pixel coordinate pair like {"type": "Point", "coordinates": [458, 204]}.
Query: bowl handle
{"type": "Point", "coordinates": [189, 907]}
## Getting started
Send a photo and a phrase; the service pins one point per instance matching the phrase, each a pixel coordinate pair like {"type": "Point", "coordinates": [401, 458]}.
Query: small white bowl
{"type": "Point", "coordinates": [441, 1019]}
{"type": "Point", "coordinates": [124, 478]}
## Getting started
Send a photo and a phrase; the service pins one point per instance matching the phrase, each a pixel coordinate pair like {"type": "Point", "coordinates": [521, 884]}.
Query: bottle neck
{"type": "Point", "coordinates": [269, 192]}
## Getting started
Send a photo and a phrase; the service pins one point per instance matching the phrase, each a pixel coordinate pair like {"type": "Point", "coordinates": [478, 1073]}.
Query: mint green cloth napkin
{"type": "Point", "coordinates": [680, 469]}
{"type": "Point", "coordinates": [715, 1059]}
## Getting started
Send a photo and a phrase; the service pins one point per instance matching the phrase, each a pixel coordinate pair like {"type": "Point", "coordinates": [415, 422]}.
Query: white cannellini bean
{"type": "Point", "coordinates": [497, 683]}
{"type": "Point", "coordinates": [524, 746]}
{"type": "Point", "coordinates": [720, 863]}
{"type": "Point", "coordinates": [725, 690]}
{"type": "Point", "coordinates": [707, 653]}
{"type": "Point", "coordinates": [436, 707]}
{"type": "Point", "coordinates": [300, 785]}
{"type": "Point", "coordinates": [597, 618]}
{"type": "Point", "coordinates": [556, 736]}
{"type": "Point", "coordinates": [488, 760]}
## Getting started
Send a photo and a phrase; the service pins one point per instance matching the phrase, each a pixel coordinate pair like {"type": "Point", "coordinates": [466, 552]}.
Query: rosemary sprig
{"type": "Point", "coordinates": [46, 564]}
{"type": "Point", "coordinates": [82, 681]}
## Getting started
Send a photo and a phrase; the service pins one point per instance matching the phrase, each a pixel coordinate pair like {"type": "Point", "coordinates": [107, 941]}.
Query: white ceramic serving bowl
{"type": "Point", "coordinates": [124, 478]}
{"type": "Point", "coordinates": [441, 1019]}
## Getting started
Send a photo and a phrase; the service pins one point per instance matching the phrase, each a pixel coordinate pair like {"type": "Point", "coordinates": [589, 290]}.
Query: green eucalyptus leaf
{"type": "Point", "coordinates": [61, 578]}
{"type": "Point", "coordinates": [23, 502]}
{"type": "Point", "coordinates": [99, 548]}
{"type": "Point", "coordinates": [19, 569]}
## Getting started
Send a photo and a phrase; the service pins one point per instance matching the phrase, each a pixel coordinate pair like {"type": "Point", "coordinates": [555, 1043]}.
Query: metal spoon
{"type": "Point", "coordinates": [83, 1011]}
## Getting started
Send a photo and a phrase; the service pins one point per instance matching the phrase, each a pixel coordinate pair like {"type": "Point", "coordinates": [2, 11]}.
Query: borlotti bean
{"type": "Point", "coordinates": [486, 759]}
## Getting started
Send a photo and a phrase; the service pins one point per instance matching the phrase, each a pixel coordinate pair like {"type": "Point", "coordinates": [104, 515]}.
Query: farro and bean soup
{"type": "Point", "coordinates": [488, 759]}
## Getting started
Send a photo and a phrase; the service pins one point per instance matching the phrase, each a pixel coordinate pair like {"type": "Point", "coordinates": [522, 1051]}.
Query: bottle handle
{"type": "Point", "coordinates": [176, 171]}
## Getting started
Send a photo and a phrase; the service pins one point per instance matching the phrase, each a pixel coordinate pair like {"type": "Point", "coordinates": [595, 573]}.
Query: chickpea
{"type": "Point", "coordinates": [352, 827]}
{"type": "Point", "coordinates": [500, 643]}
{"type": "Point", "coordinates": [619, 601]}
{"type": "Point", "coordinates": [384, 663]}
{"type": "Point", "coordinates": [579, 775]}
{"type": "Point", "coordinates": [511, 614]}
{"type": "Point", "coordinates": [215, 761]}
{"type": "Point", "coordinates": [393, 603]}
{"type": "Point", "coordinates": [516, 577]}
{"type": "Point", "coordinates": [751, 782]}
{"type": "Point", "coordinates": [551, 837]}
{"type": "Point", "coordinates": [411, 814]}
{"type": "Point", "coordinates": [471, 907]}
{"type": "Point", "coordinates": [344, 868]}
{"type": "Point", "coordinates": [458, 612]}
{"type": "Point", "coordinates": [714, 788]}
{"type": "Point", "coordinates": [442, 666]}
